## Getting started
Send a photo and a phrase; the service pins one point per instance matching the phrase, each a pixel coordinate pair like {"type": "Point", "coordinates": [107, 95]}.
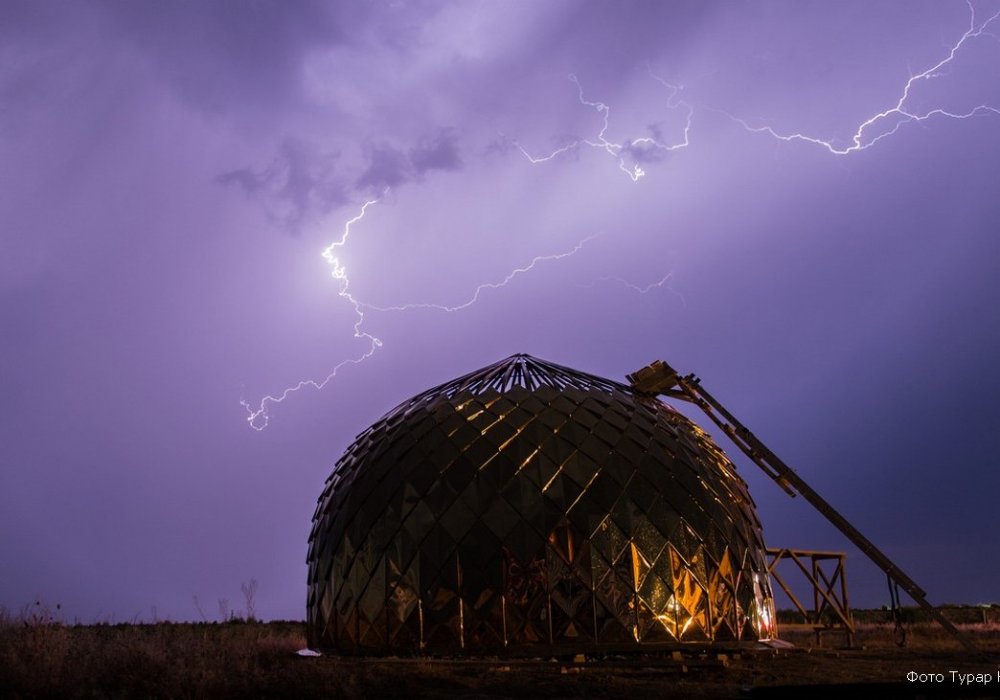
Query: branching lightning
{"type": "Point", "coordinates": [638, 147]}
{"type": "Point", "coordinates": [889, 121]}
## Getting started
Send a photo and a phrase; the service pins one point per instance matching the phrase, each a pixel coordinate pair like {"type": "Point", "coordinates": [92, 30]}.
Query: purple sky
{"type": "Point", "coordinates": [170, 174]}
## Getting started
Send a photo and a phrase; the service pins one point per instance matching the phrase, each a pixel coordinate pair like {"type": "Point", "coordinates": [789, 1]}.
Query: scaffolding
{"type": "Point", "coordinates": [825, 573]}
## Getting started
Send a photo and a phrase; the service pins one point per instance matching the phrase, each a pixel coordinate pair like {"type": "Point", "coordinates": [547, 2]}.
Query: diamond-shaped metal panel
{"type": "Point", "coordinates": [529, 506]}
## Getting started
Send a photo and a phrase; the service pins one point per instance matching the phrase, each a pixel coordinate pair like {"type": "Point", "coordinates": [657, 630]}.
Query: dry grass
{"type": "Point", "coordinates": [42, 657]}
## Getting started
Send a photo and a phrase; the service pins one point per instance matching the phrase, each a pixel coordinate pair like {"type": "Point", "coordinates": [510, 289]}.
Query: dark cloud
{"type": "Point", "coordinates": [301, 182]}
{"type": "Point", "coordinates": [298, 184]}
{"type": "Point", "coordinates": [438, 153]}
{"type": "Point", "coordinates": [224, 53]}
{"type": "Point", "coordinates": [387, 167]}
{"type": "Point", "coordinates": [391, 167]}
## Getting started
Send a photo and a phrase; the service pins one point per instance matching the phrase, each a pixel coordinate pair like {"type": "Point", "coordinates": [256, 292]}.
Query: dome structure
{"type": "Point", "coordinates": [531, 508]}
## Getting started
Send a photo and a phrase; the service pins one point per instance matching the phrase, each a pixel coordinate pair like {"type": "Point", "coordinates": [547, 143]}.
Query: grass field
{"type": "Point", "coordinates": [43, 657]}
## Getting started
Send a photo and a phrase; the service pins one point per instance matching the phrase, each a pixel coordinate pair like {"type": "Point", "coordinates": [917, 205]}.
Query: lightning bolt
{"type": "Point", "coordinates": [258, 417]}
{"type": "Point", "coordinates": [673, 103]}
{"type": "Point", "coordinates": [662, 282]}
{"type": "Point", "coordinates": [489, 285]}
{"type": "Point", "coordinates": [890, 120]}
{"type": "Point", "coordinates": [636, 147]}
{"type": "Point", "coordinates": [869, 132]}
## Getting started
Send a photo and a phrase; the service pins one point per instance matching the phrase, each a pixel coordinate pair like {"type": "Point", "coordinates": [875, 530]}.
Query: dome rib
{"type": "Point", "coordinates": [525, 371]}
